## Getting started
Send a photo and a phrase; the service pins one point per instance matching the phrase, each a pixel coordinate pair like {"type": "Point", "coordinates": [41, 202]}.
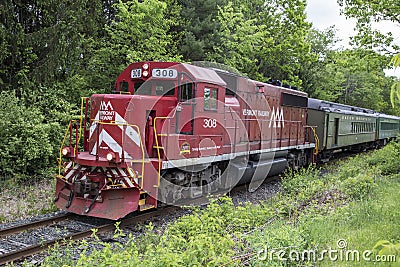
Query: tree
{"type": "Point", "coordinates": [263, 39]}
{"type": "Point", "coordinates": [313, 71]}
{"type": "Point", "coordinates": [285, 22]}
{"type": "Point", "coordinates": [395, 90]}
{"type": "Point", "coordinates": [368, 12]}
{"type": "Point", "coordinates": [26, 148]}
{"type": "Point", "coordinates": [199, 28]}
{"type": "Point", "coordinates": [43, 50]}
{"type": "Point", "coordinates": [353, 77]}
{"type": "Point", "coordinates": [240, 40]}
{"type": "Point", "coordinates": [139, 32]}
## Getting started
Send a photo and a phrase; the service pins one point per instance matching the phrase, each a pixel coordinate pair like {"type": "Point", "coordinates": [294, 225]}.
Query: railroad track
{"type": "Point", "coordinates": [32, 225]}
{"type": "Point", "coordinates": [21, 250]}
{"type": "Point", "coordinates": [25, 250]}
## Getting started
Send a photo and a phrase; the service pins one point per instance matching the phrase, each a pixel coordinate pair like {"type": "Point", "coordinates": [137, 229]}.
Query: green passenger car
{"type": "Point", "coordinates": [388, 128]}
{"type": "Point", "coordinates": [341, 127]}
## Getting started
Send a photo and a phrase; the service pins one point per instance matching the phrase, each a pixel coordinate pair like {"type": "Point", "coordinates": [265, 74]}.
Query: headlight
{"type": "Point", "coordinates": [113, 157]}
{"type": "Point", "coordinates": [110, 156]}
{"type": "Point", "coordinates": [65, 151]}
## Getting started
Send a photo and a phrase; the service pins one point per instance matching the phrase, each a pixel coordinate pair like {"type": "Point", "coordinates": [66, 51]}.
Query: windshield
{"type": "Point", "coordinates": [155, 87]}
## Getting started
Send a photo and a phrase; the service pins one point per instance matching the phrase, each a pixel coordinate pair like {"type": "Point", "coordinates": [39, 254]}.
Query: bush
{"type": "Point", "coordinates": [303, 184]}
{"type": "Point", "coordinates": [387, 159]}
{"type": "Point", "coordinates": [359, 186]}
{"type": "Point", "coordinates": [26, 148]}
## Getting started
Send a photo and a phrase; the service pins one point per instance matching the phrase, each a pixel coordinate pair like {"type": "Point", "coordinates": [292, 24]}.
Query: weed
{"type": "Point", "coordinates": [359, 186]}
{"type": "Point", "coordinates": [357, 203]}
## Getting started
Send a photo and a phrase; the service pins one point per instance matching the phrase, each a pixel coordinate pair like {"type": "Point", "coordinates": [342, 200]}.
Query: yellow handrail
{"type": "Point", "coordinates": [62, 146]}
{"type": "Point", "coordinates": [158, 147]}
{"type": "Point", "coordinates": [313, 128]}
{"type": "Point", "coordinates": [140, 138]}
{"type": "Point", "coordinates": [76, 147]}
{"type": "Point", "coordinates": [83, 99]}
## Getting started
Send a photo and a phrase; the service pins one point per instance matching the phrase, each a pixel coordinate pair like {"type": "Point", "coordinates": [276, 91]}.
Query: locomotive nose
{"type": "Point", "coordinates": [114, 137]}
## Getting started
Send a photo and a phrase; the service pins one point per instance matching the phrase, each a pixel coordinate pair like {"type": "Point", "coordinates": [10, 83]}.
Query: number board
{"type": "Point", "coordinates": [164, 73]}
{"type": "Point", "coordinates": [136, 73]}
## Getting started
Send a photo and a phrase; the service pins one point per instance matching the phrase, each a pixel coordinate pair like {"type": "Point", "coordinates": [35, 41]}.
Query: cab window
{"type": "Point", "coordinates": [185, 92]}
{"type": "Point", "coordinates": [124, 86]}
{"type": "Point", "coordinates": [159, 88]}
{"type": "Point", "coordinates": [210, 99]}
{"type": "Point", "coordinates": [165, 88]}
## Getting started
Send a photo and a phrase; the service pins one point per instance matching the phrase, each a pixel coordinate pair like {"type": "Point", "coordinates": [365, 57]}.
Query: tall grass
{"type": "Point", "coordinates": [350, 208]}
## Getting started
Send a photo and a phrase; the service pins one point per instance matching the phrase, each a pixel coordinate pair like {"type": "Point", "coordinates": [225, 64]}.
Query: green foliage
{"type": "Point", "coordinates": [199, 28]}
{"type": "Point", "coordinates": [395, 93]}
{"type": "Point", "coordinates": [353, 77]}
{"type": "Point", "coordinates": [274, 241]}
{"type": "Point", "coordinates": [386, 160]}
{"type": "Point", "coordinates": [284, 59]}
{"type": "Point", "coordinates": [263, 39]}
{"type": "Point", "coordinates": [395, 90]}
{"type": "Point", "coordinates": [396, 60]}
{"type": "Point", "coordinates": [240, 39]}
{"type": "Point", "coordinates": [140, 31]}
{"type": "Point", "coordinates": [368, 11]}
{"type": "Point", "coordinates": [312, 71]}
{"type": "Point", "coordinates": [359, 186]}
{"type": "Point", "coordinates": [57, 52]}
{"type": "Point", "coordinates": [26, 147]}
{"type": "Point", "coordinates": [303, 183]}
{"type": "Point", "coordinates": [372, 11]}
{"type": "Point", "coordinates": [129, 42]}
{"type": "Point", "coordinates": [384, 247]}
{"type": "Point", "coordinates": [360, 223]}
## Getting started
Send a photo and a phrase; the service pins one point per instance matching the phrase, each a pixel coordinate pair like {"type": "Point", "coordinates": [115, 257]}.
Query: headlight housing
{"type": "Point", "coordinates": [110, 156]}
{"type": "Point", "coordinates": [66, 151]}
{"type": "Point", "coordinates": [113, 157]}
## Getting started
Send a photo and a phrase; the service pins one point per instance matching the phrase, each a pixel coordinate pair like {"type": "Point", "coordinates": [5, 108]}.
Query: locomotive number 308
{"type": "Point", "coordinates": [210, 123]}
{"type": "Point", "coordinates": [165, 73]}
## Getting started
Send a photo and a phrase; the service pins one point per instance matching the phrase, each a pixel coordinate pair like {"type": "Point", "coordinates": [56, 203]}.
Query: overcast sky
{"type": "Point", "coordinates": [325, 13]}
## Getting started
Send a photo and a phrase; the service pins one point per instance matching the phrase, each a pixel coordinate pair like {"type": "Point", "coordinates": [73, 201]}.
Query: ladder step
{"type": "Point", "coordinates": [162, 134]}
{"type": "Point", "coordinates": [159, 147]}
{"type": "Point", "coordinates": [145, 207]}
{"type": "Point", "coordinates": [141, 161]}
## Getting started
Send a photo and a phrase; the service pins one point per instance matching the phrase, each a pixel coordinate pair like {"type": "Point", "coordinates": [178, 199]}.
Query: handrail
{"type": "Point", "coordinates": [78, 137]}
{"type": "Point", "coordinates": [62, 146]}
{"type": "Point", "coordinates": [316, 138]}
{"type": "Point", "coordinates": [76, 147]}
{"type": "Point", "coordinates": [113, 123]}
{"type": "Point", "coordinates": [157, 145]}
{"type": "Point", "coordinates": [80, 126]}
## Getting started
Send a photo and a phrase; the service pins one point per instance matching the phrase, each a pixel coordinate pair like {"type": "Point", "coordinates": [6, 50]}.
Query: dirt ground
{"type": "Point", "coordinates": [18, 202]}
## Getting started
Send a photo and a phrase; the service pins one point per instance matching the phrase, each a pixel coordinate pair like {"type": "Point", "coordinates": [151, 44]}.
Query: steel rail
{"type": "Point", "coordinates": [35, 249]}
{"type": "Point", "coordinates": [36, 224]}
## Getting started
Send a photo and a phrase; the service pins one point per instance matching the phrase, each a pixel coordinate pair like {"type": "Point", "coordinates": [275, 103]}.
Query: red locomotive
{"type": "Point", "coordinates": [173, 131]}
